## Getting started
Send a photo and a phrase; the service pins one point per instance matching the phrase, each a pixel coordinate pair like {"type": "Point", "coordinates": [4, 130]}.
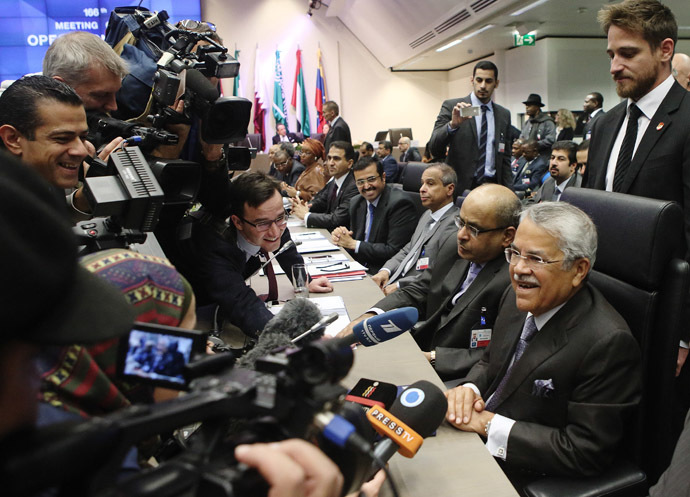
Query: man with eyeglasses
{"type": "Point", "coordinates": [553, 392]}
{"type": "Point", "coordinates": [458, 297]}
{"type": "Point", "coordinates": [289, 168]}
{"type": "Point", "coordinates": [231, 247]}
{"type": "Point", "coordinates": [382, 219]}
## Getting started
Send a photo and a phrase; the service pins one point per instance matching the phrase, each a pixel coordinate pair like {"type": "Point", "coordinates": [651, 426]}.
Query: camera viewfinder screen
{"type": "Point", "coordinates": [157, 356]}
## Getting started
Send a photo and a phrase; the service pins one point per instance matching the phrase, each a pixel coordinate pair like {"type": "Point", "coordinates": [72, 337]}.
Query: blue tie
{"type": "Point", "coordinates": [371, 221]}
{"type": "Point", "coordinates": [528, 331]}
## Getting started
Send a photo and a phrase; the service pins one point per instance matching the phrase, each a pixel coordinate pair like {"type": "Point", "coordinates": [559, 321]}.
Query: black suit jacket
{"type": "Point", "coordinates": [587, 352]}
{"type": "Point", "coordinates": [339, 131]}
{"type": "Point", "coordinates": [221, 269]}
{"type": "Point", "coordinates": [587, 128]}
{"type": "Point", "coordinates": [327, 214]}
{"type": "Point", "coordinates": [449, 331]}
{"type": "Point", "coordinates": [390, 167]}
{"type": "Point", "coordinates": [464, 144]}
{"type": "Point", "coordinates": [394, 222]}
{"type": "Point", "coordinates": [292, 138]}
{"type": "Point", "coordinates": [530, 175]}
{"type": "Point", "coordinates": [412, 155]}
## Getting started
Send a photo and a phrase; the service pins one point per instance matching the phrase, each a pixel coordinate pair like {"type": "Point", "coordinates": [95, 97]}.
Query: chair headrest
{"type": "Point", "coordinates": [412, 176]}
{"type": "Point", "coordinates": [637, 236]}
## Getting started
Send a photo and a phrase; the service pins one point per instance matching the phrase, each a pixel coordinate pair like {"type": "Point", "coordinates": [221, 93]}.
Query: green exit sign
{"type": "Point", "coordinates": [524, 41]}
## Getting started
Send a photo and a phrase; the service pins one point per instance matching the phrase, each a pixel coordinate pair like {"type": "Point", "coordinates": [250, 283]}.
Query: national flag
{"type": "Point", "coordinates": [260, 102]}
{"type": "Point", "coordinates": [237, 90]}
{"type": "Point", "coordinates": [279, 106]}
{"type": "Point", "coordinates": [321, 95]}
{"type": "Point", "coordinates": [299, 98]}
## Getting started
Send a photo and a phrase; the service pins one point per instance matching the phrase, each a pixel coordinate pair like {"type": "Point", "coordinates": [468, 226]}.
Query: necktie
{"type": "Point", "coordinates": [371, 221]}
{"type": "Point", "coordinates": [528, 331]}
{"type": "Point", "coordinates": [333, 196]}
{"type": "Point", "coordinates": [472, 273]}
{"type": "Point", "coordinates": [556, 194]}
{"type": "Point", "coordinates": [271, 275]}
{"type": "Point", "coordinates": [626, 153]}
{"type": "Point", "coordinates": [479, 172]}
{"type": "Point", "coordinates": [413, 254]}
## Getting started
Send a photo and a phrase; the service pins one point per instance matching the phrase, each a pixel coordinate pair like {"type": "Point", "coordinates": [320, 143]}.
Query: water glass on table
{"type": "Point", "coordinates": [300, 279]}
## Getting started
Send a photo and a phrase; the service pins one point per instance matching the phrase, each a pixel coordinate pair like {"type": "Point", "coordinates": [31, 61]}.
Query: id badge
{"type": "Point", "coordinates": [501, 148]}
{"type": "Point", "coordinates": [422, 263]}
{"type": "Point", "coordinates": [480, 338]}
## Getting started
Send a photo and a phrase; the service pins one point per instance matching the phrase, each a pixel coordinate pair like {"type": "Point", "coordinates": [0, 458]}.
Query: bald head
{"type": "Point", "coordinates": [681, 69]}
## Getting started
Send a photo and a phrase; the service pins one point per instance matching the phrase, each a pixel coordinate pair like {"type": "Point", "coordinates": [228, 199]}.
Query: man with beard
{"type": "Point", "coordinates": [562, 168]}
{"type": "Point", "coordinates": [641, 146]}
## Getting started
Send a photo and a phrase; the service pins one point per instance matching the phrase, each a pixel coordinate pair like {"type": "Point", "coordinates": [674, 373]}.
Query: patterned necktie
{"type": "Point", "coordinates": [479, 172]}
{"type": "Point", "coordinates": [412, 255]}
{"type": "Point", "coordinates": [528, 331]}
{"type": "Point", "coordinates": [371, 222]}
{"type": "Point", "coordinates": [626, 153]}
{"type": "Point", "coordinates": [333, 196]}
{"type": "Point", "coordinates": [556, 194]}
{"type": "Point", "coordinates": [271, 275]}
{"type": "Point", "coordinates": [472, 274]}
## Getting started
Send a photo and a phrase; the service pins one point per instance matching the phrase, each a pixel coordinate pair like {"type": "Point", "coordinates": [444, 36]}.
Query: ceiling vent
{"type": "Point", "coordinates": [453, 21]}
{"type": "Point", "coordinates": [480, 5]}
{"type": "Point", "coordinates": [422, 39]}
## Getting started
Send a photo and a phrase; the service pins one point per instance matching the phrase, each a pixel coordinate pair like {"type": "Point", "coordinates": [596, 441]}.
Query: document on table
{"type": "Point", "coordinates": [313, 241]}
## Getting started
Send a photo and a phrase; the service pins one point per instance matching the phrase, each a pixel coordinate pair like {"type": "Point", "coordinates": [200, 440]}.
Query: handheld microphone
{"type": "Point", "coordinates": [415, 415]}
{"type": "Point", "coordinates": [318, 328]}
{"type": "Point", "coordinates": [383, 327]}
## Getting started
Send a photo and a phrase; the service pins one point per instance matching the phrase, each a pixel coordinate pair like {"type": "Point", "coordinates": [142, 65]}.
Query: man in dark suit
{"type": "Point", "coordinates": [457, 298]}
{"type": "Point", "coordinates": [330, 207]}
{"type": "Point", "coordinates": [228, 253]}
{"type": "Point", "coordinates": [563, 173]}
{"type": "Point", "coordinates": [593, 111]}
{"type": "Point", "coordinates": [553, 392]}
{"type": "Point", "coordinates": [288, 169]}
{"type": "Point", "coordinates": [338, 128]}
{"type": "Point", "coordinates": [382, 218]}
{"type": "Point", "coordinates": [647, 155]}
{"type": "Point", "coordinates": [529, 176]}
{"type": "Point", "coordinates": [282, 136]}
{"type": "Point", "coordinates": [408, 153]}
{"type": "Point", "coordinates": [390, 165]}
{"type": "Point", "coordinates": [478, 148]}
{"type": "Point", "coordinates": [437, 194]}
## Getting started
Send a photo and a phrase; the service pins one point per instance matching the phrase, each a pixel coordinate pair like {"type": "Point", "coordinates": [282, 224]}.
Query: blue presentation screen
{"type": "Point", "coordinates": [28, 27]}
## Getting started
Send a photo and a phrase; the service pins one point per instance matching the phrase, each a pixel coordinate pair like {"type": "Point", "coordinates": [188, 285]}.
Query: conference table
{"type": "Point", "coordinates": [453, 462]}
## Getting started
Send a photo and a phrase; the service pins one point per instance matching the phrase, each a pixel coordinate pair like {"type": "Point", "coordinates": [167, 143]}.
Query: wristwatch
{"type": "Point", "coordinates": [432, 359]}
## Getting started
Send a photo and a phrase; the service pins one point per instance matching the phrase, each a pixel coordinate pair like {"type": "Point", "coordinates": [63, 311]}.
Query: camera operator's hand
{"type": "Point", "coordinates": [182, 132]}
{"type": "Point", "coordinates": [79, 199]}
{"type": "Point", "coordinates": [293, 468]}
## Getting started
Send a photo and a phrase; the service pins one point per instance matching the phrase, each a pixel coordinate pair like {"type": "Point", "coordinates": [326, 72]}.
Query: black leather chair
{"type": "Point", "coordinates": [639, 270]}
{"type": "Point", "coordinates": [411, 181]}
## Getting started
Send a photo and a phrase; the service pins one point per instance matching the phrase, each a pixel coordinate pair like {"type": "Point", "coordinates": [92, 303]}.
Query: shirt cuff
{"type": "Point", "coordinates": [306, 216]}
{"type": "Point", "coordinates": [376, 310]}
{"type": "Point", "coordinates": [473, 387]}
{"type": "Point", "coordinates": [451, 130]}
{"type": "Point", "coordinates": [684, 344]}
{"type": "Point", "coordinates": [71, 203]}
{"type": "Point", "coordinates": [357, 246]}
{"type": "Point", "coordinates": [386, 269]}
{"type": "Point", "coordinates": [497, 443]}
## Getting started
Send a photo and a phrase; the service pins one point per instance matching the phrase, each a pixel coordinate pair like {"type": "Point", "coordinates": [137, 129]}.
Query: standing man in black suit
{"type": "Point", "coordinates": [390, 165]}
{"type": "Point", "coordinates": [408, 153]}
{"type": "Point", "coordinates": [593, 110]}
{"type": "Point", "coordinates": [478, 148]}
{"type": "Point", "coordinates": [458, 297]}
{"type": "Point", "coordinates": [338, 128]}
{"type": "Point", "coordinates": [330, 207]}
{"type": "Point", "coordinates": [553, 392]}
{"type": "Point", "coordinates": [641, 146]}
{"type": "Point", "coordinates": [282, 136]}
{"type": "Point", "coordinates": [382, 218]}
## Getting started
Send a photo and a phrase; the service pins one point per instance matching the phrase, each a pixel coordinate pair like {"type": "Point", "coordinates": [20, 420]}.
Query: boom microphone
{"type": "Point", "coordinates": [383, 327]}
{"type": "Point", "coordinates": [293, 318]}
{"type": "Point", "coordinates": [415, 415]}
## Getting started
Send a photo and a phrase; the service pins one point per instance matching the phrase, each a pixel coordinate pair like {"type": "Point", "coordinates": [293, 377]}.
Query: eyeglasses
{"type": "Point", "coordinates": [474, 231]}
{"type": "Point", "coordinates": [281, 221]}
{"type": "Point", "coordinates": [192, 25]}
{"type": "Point", "coordinates": [531, 261]}
{"type": "Point", "coordinates": [281, 164]}
{"type": "Point", "coordinates": [370, 179]}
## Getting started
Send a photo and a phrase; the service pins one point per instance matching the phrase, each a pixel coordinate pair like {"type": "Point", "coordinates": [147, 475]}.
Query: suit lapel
{"type": "Point", "coordinates": [608, 137]}
{"type": "Point", "coordinates": [361, 214]}
{"type": "Point", "coordinates": [379, 214]}
{"type": "Point", "coordinates": [661, 121]}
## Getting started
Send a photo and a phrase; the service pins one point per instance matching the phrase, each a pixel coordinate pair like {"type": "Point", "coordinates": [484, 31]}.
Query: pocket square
{"type": "Point", "coordinates": [543, 388]}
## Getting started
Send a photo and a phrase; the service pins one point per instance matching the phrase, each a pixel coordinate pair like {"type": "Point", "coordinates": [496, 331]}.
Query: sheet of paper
{"type": "Point", "coordinates": [327, 305]}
